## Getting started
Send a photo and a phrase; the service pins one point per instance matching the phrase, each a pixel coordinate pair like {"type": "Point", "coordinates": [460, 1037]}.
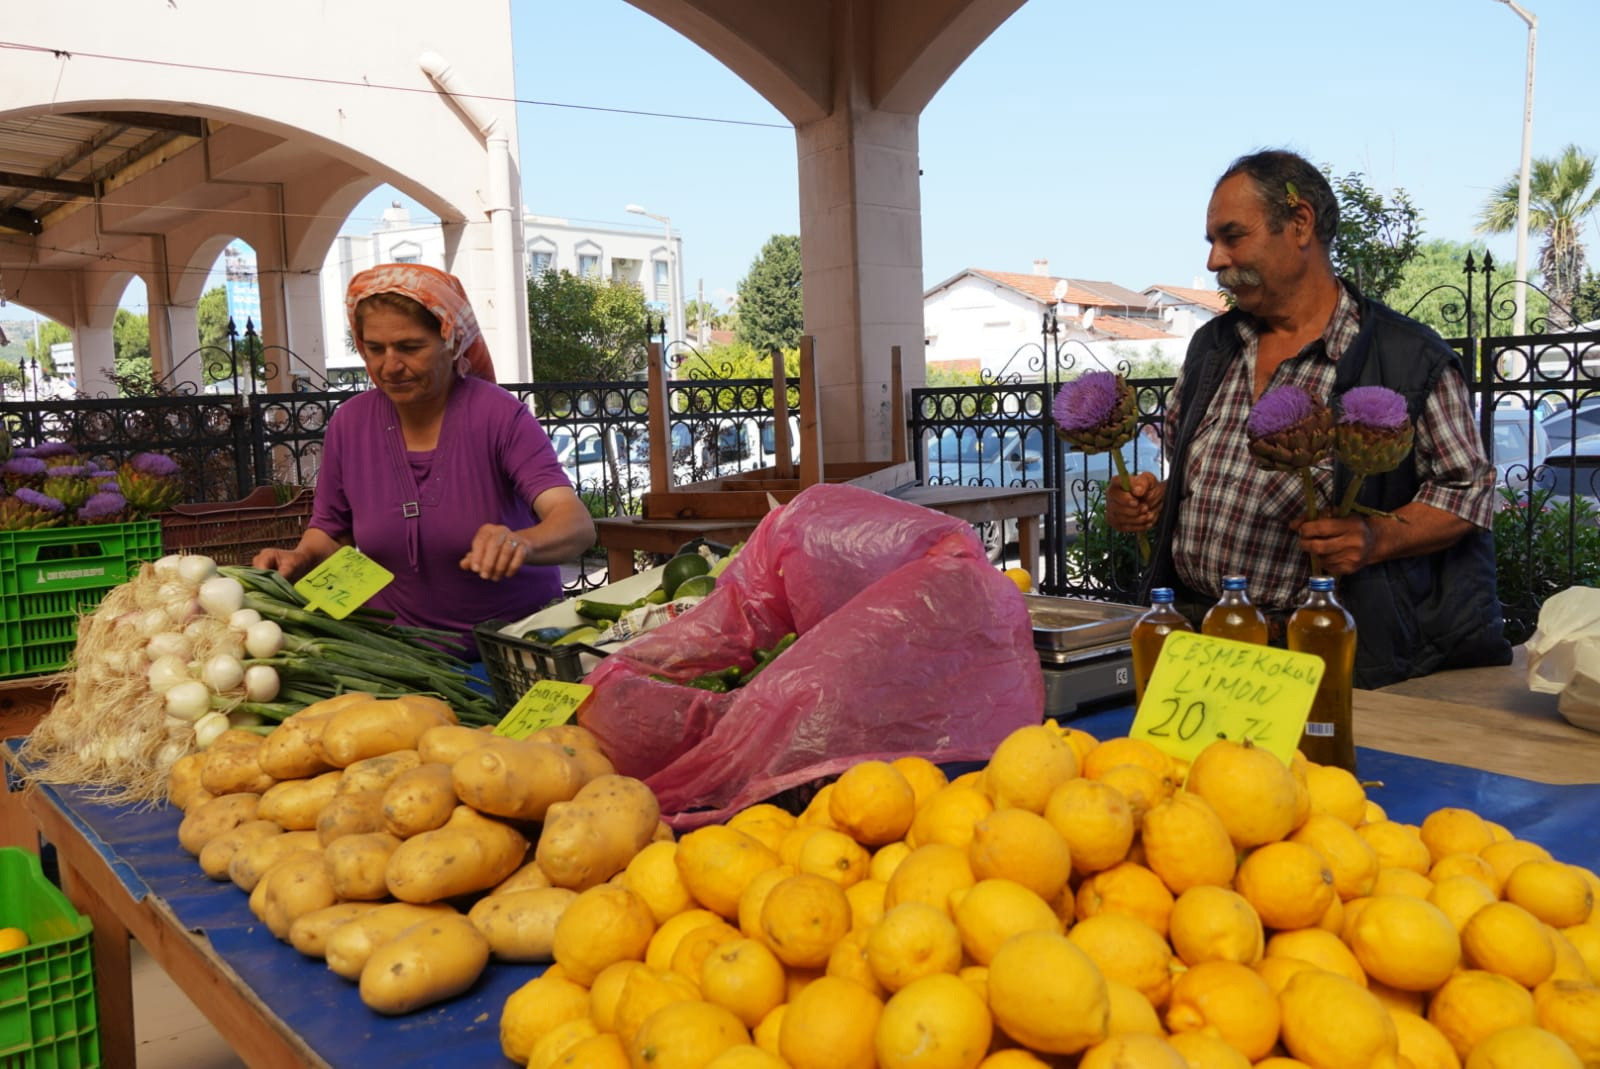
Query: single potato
{"type": "Point", "coordinates": [427, 963]}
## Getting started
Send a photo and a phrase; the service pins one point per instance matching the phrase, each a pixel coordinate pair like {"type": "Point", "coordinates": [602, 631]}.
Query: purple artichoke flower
{"type": "Point", "coordinates": [28, 509]}
{"type": "Point", "coordinates": [1289, 429]}
{"type": "Point", "coordinates": [49, 450]}
{"type": "Point", "coordinates": [71, 484]}
{"type": "Point", "coordinates": [1096, 412]}
{"type": "Point", "coordinates": [107, 506]}
{"type": "Point", "coordinates": [22, 471]}
{"type": "Point", "coordinates": [1373, 436]}
{"type": "Point", "coordinates": [150, 482]}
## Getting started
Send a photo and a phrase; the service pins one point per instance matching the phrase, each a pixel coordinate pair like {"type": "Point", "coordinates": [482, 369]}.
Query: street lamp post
{"type": "Point", "coordinates": [674, 314]}
{"type": "Point", "coordinates": [1519, 324]}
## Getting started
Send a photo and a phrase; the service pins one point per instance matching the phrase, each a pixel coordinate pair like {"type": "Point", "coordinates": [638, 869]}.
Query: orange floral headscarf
{"type": "Point", "coordinates": [440, 293]}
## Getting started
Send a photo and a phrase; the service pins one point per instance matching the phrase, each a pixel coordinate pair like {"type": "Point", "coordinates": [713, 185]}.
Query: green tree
{"type": "Point", "coordinates": [1586, 301]}
{"type": "Point", "coordinates": [50, 333]}
{"type": "Point", "coordinates": [1376, 237]}
{"type": "Point", "coordinates": [583, 329]}
{"type": "Point", "coordinates": [698, 312]}
{"type": "Point", "coordinates": [1433, 286]}
{"type": "Point", "coordinates": [771, 311]}
{"type": "Point", "coordinates": [211, 313]}
{"type": "Point", "coordinates": [1562, 194]}
{"type": "Point", "coordinates": [130, 340]}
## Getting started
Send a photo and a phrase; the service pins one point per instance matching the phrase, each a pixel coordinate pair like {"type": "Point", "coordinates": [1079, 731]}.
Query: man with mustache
{"type": "Point", "coordinates": [1421, 584]}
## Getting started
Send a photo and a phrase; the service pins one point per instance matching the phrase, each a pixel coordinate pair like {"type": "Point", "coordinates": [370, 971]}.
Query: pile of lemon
{"type": "Point", "coordinates": [1072, 905]}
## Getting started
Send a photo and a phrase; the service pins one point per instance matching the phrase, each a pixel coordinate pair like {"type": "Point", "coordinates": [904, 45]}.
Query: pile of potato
{"type": "Point", "coordinates": [363, 828]}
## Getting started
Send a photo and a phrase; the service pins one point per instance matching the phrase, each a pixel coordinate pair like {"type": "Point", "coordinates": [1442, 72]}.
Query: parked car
{"type": "Point", "coordinates": [1520, 446]}
{"type": "Point", "coordinates": [1570, 423]}
{"type": "Point", "coordinates": [1572, 469]}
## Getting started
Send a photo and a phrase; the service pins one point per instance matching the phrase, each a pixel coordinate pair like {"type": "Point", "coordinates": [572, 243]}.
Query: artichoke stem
{"type": "Point", "coordinates": [1127, 484]}
{"type": "Point", "coordinates": [1348, 504]}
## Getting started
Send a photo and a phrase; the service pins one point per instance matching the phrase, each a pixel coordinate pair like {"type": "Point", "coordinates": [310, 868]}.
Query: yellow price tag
{"type": "Point", "coordinates": [1204, 689]}
{"type": "Point", "coordinates": [343, 583]}
{"type": "Point", "coordinates": [548, 702]}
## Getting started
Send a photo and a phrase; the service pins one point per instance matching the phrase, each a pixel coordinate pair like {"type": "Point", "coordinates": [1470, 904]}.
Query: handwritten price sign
{"type": "Point", "coordinates": [344, 582]}
{"type": "Point", "coordinates": [1204, 689]}
{"type": "Point", "coordinates": [547, 702]}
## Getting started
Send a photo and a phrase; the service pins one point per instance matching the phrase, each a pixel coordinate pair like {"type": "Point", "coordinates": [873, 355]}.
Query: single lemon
{"type": "Point", "coordinates": [1396, 845]}
{"type": "Point", "coordinates": [1278, 971]}
{"type": "Point", "coordinates": [802, 917]}
{"type": "Point", "coordinates": [848, 961]}
{"type": "Point", "coordinates": [1129, 951]}
{"type": "Point", "coordinates": [833, 855]}
{"type": "Point", "coordinates": [1135, 1049]}
{"type": "Point", "coordinates": [830, 1024]}
{"type": "Point", "coordinates": [1504, 938]}
{"type": "Point", "coordinates": [1423, 1044]}
{"type": "Point", "coordinates": [664, 942]}
{"type": "Point", "coordinates": [1336, 792]}
{"type": "Point", "coordinates": [602, 925]}
{"type": "Point", "coordinates": [1401, 882]}
{"type": "Point", "coordinates": [929, 874]}
{"type": "Point", "coordinates": [1022, 577]}
{"type": "Point", "coordinates": [1095, 820]}
{"type": "Point", "coordinates": [1047, 994]}
{"type": "Point", "coordinates": [1210, 923]}
{"type": "Point", "coordinates": [1020, 845]}
{"type": "Point", "coordinates": [1504, 855]}
{"type": "Point", "coordinates": [1522, 1046]}
{"type": "Point", "coordinates": [1228, 1000]}
{"type": "Point", "coordinates": [866, 902]}
{"type": "Point", "coordinates": [937, 1022]}
{"type": "Point", "coordinates": [1321, 948]}
{"type": "Point", "coordinates": [886, 859]}
{"type": "Point", "coordinates": [924, 776]}
{"type": "Point", "coordinates": [549, 1049]}
{"type": "Point", "coordinates": [992, 911]}
{"type": "Point", "coordinates": [685, 1035]}
{"type": "Point", "coordinates": [1462, 864]}
{"type": "Point", "coordinates": [699, 944]}
{"type": "Point", "coordinates": [1453, 830]}
{"type": "Point", "coordinates": [716, 862]}
{"type": "Point", "coordinates": [534, 1009]}
{"type": "Point", "coordinates": [1141, 788]}
{"type": "Point", "coordinates": [1334, 1023]}
{"type": "Point", "coordinates": [1474, 1004]}
{"type": "Point", "coordinates": [12, 939]}
{"type": "Point", "coordinates": [603, 1051]}
{"type": "Point", "coordinates": [745, 1056]}
{"type": "Point", "coordinates": [1288, 884]}
{"type": "Point", "coordinates": [653, 876]}
{"type": "Point", "coordinates": [1130, 1011]}
{"type": "Point", "coordinates": [1028, 764]}
{"type": "Point", "coordinates": [912, 940]}
{"type": "Point", "coordinates": [1571, 1010]}
{"type": "Point", "coordinates": [1127, 888]}
{"type": "Point", "coordinates": [1459, 897]}
{"type": "Point", "coordinates": [606, 991]}
{"type": "Point", "coordinates": [1585, 939]}
{"type": "Point", "coordinates": [1186, 844]}
{"type": "Point", "coordinates": [948, 816]}
{"type": "Point", "coordinates": [1352, 861]}
{"type": "Point", "coordinates": [1126, 750]}
{"type": "Point", "coordinates": [1202, 1051]}
{"type": "Point", "coordinates": [751, 899]}
{"type": "Point", "coordinates": [1405, 942]}
{"type": "Point", "coordinates": [873, 803]}
{"type": "Point", "coordinates": [1554, 892]}
{"type": "Point", "coordinates": [1251, 790]}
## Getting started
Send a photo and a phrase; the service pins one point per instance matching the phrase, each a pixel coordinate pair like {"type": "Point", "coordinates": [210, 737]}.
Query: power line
{"type": "Point", "coordinates": [62, 53]}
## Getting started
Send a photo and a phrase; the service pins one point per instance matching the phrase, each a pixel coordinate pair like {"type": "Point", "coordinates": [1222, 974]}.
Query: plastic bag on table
{"type": "Point", "coordinates": [909, 642]}
{"type": "Point", "coordinates": [1564, 654]}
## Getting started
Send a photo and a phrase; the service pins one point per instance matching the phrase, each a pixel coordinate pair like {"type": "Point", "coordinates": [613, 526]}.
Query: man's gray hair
{"type": "Point", "coordinates": [1284, 179]}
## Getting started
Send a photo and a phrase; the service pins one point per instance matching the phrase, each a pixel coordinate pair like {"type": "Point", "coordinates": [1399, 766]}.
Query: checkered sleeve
{"type": "Point", "coordinates": [1455, 471]}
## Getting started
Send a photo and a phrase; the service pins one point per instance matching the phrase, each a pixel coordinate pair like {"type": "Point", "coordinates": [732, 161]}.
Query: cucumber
{"type": "Point", "coordinates": [603, 610]}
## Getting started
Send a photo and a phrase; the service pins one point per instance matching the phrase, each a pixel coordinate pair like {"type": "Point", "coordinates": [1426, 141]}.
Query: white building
{"type": "Point", "coordinates": [993, 320]}
{"type": "Point", "coordinates": [621, 253]}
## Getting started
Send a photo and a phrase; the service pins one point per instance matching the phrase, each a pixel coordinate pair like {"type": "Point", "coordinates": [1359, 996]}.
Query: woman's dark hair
{"type": "Point", "coordinates": [1283, 179]}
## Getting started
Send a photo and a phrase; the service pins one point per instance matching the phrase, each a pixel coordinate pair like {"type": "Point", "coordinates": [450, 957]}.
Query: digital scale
{"type": "Point", "coordinates": [1085, 652]}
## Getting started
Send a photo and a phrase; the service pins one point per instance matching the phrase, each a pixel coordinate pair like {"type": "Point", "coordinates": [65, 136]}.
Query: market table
{"type": "Point", "coordinates": [122, 866]}
{"type": "Point", "coordinates": [623, 535]}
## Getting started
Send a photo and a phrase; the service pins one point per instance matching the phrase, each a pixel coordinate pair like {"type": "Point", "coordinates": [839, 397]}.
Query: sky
{"type": "Point", "coordinates": [1086, 134]}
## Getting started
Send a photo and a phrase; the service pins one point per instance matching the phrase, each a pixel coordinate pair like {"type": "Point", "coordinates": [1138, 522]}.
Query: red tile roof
{"type": "Point", "coordinates": [1208, 299]}
{"type": "Point", "coordinates": [1130, 329]}
{"type": "Point", "coordinates": [1079, 291]}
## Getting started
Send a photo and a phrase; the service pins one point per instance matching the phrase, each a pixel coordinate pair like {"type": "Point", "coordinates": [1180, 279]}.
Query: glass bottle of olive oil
{"type": "Point", "coordinates": [1322, 626]}
{"type": "Point", "coordinates": [1234, 615]}
{"type": "Point", "coordinates": [1150, 633]}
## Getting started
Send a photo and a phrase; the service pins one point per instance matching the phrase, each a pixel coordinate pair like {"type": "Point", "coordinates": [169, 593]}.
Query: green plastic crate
{"type": "Point", "coordinates": [47, 1008]}
{"type": "Point", "coordinates": [49, 578]}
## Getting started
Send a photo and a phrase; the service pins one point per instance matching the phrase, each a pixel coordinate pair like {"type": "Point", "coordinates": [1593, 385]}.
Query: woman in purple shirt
{"type": "Point", "coordinates": [439, 475]}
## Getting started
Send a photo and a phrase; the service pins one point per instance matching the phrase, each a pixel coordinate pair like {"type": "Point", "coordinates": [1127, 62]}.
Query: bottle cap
{"type": "Point", "coordinates": [1323, 584]}
{"type": "Point", "coordinates": [1234, 582]}
{"type": "Point", "coordinates": [1161, 595]}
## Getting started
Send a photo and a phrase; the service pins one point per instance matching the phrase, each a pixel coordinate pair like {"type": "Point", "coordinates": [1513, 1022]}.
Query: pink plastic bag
{"type": "Point", "coordinates": [910, 642]}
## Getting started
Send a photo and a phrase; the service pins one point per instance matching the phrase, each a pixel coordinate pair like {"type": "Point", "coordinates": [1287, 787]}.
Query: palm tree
{"type": "Point", "coordinates": [1561, 193]}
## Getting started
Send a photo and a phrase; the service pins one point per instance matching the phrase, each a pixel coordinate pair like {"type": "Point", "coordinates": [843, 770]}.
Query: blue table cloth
{"type": "Point", "coordinates": [141, 845]}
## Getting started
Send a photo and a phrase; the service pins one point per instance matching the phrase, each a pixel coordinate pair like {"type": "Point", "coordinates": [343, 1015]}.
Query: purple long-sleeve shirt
{"type": "Point", "coordinates": [415, 513]}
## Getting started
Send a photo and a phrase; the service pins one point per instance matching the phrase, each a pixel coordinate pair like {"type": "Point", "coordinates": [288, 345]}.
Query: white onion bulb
{"type": "Point", "coordinates": [223, 673]}
{"type": "Point", "coordinates": [264, 639]}
{"type": "Point", "coordinates": [196, 568]}
{"type": "Point", "coordinates": [209, 728]}
{"type": "Point", "coordinates": [167, 567]}
{"type": "Point", "coordinates": [166, 672]}
{"type": "Point", "coordinates": [189, 700]}
{"type": "Point", "coordinates": [261, 683]}
{"type": "Point", "coordinates": [221, 596]}
{"type": "Point", "coordinates": [242, 619]}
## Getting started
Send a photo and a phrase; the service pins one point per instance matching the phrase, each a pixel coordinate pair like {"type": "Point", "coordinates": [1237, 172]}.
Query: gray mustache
{"type": "Point", "coordinates": [1233, 277]}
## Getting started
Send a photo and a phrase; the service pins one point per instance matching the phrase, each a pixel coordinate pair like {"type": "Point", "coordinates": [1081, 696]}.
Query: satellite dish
{"type": "Point", "coordinates": [1060, 291]}
{"type": "Point", "coordinates": [1088, 319]}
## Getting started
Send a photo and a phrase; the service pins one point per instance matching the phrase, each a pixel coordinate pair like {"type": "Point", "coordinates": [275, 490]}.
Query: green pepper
{"type": "Point", "coordinates": [771, 655]}
{"type": "Point", "coordinates": [603, 610]}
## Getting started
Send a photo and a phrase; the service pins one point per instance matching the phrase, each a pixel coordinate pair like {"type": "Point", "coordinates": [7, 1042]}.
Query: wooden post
{"type": "Point", "coordinates": [659, 430]}
{"type": "Point", "coordinates": [810, 416]}
{"type": "Point", "coordinates": [897, 409]}
{"type": "Point", "coordinates": [784, 462]}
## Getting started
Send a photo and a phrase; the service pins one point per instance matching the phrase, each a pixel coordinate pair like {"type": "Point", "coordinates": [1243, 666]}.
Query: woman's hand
{"type": "Point", "coordinates": [289, 563]}
{"type": "Point", "coordinates": [497, 552]}
{"type": "Point", "coordinates": [1132, 511]}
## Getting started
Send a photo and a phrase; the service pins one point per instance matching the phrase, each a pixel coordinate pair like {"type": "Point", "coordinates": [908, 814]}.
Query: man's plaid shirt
{"type": "Point", "coordinates": [1235, 516]}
